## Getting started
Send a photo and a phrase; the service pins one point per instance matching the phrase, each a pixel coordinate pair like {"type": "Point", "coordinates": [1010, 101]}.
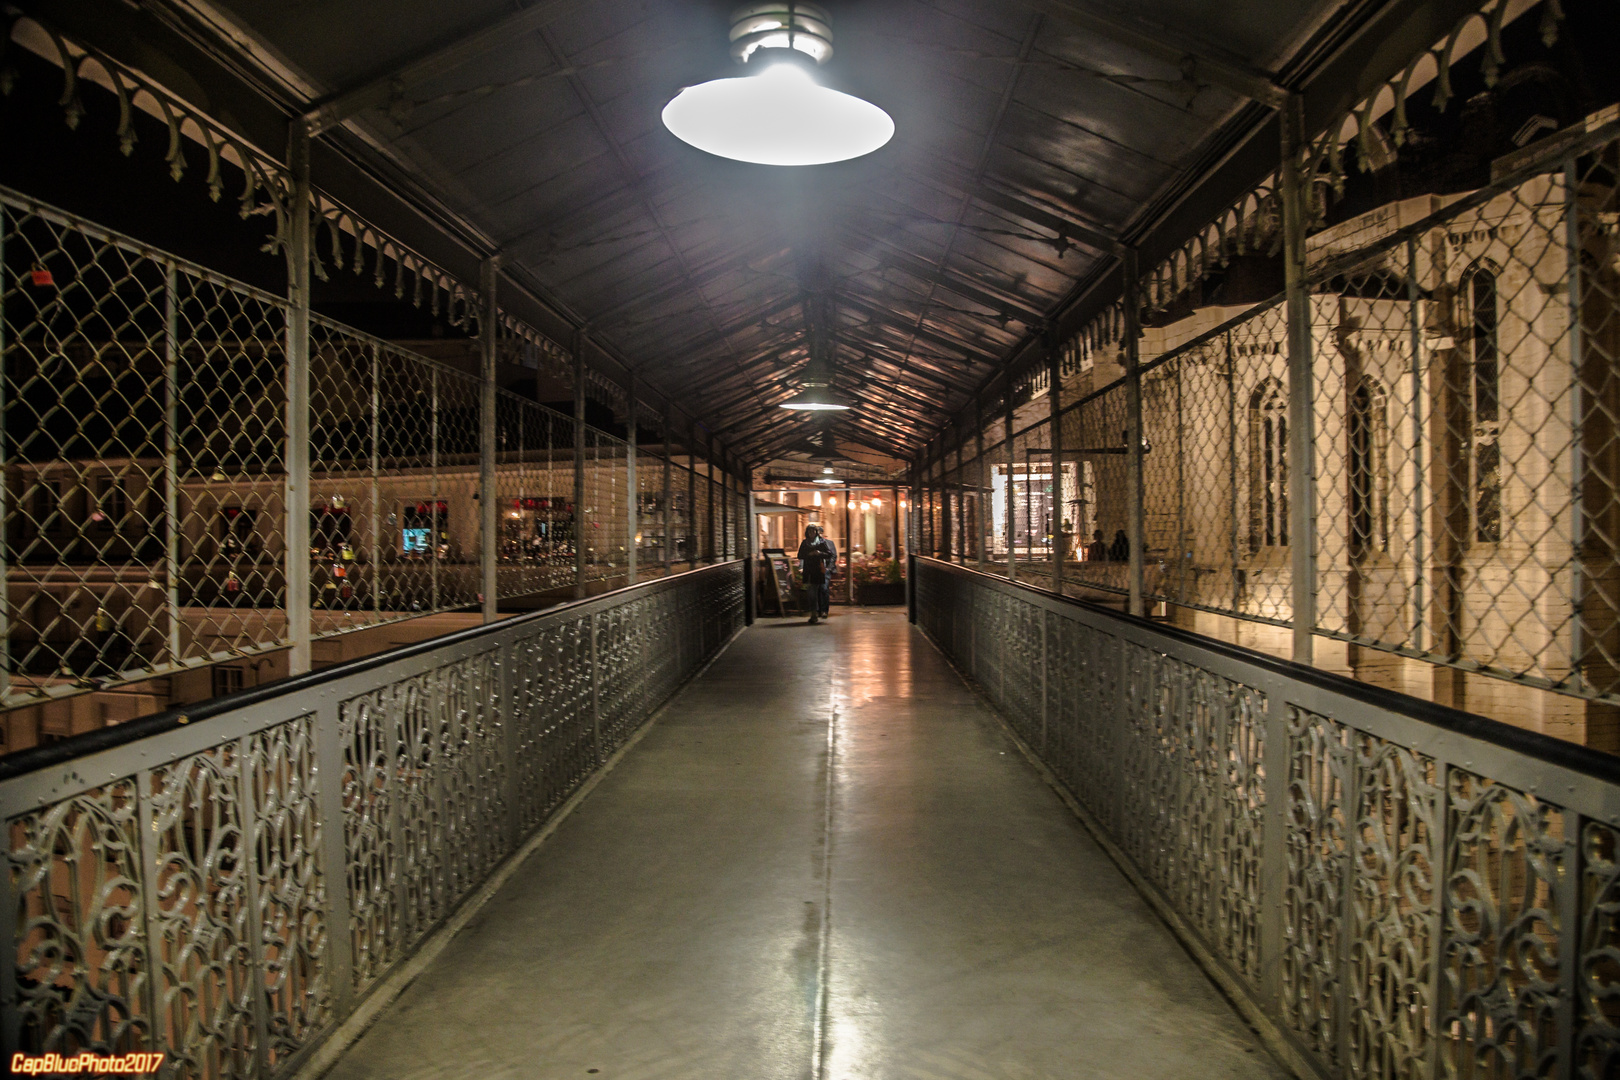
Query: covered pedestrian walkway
{"type": "Point", "coordinates": [825, 858]}
{"type": "Point", "coordinates": [388, 406]}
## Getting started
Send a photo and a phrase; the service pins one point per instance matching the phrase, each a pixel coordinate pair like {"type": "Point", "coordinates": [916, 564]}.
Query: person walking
{"type": "Point", "coordinates": [829, 555]}
{"type": "Point", "coordinates": [813, 566]}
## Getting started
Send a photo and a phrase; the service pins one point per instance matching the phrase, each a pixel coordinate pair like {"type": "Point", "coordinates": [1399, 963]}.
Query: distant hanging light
{"type": "Point", "coordinates": [778, 114]}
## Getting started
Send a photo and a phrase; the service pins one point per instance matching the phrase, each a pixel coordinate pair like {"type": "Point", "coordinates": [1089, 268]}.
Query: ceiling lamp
{"type": "Point", "coordinates": [778, 114]}
{"type": "Point", "coordinates": [815, 397]}
{"type": "Point", "coordinates": [827, 476]}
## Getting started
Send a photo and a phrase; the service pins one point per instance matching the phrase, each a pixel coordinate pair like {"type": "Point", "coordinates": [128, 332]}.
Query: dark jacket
{"type": "Point", "coordinates": [815, 560]}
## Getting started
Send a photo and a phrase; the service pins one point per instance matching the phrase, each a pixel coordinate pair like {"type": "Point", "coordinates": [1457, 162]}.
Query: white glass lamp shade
{"type": "Point", "coordinates": [778, 117]}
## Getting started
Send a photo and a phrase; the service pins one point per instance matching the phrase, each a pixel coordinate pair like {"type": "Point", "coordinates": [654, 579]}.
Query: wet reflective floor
{"type": "Point", "coordinates": [825, 859]}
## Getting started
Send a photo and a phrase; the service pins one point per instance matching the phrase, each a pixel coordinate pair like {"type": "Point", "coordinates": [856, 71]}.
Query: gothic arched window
{"type": "Point", "coordinates": [1268, 466]}
{"type": "Point", "coordinates": [1368, 436]}
{"type": "Point", "coordinates": [1479, 345]}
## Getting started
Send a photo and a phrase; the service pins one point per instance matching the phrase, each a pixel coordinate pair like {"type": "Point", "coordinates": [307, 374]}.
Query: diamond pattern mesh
{"type": "Point", "coordinates": [144, 507]}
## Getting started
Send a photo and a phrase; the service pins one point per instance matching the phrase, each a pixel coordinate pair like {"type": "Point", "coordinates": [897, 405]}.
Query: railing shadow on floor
{"type": "Point", "coordinates": [1384, 886]}
{"type": "Point", "coordinates": [228, 884]}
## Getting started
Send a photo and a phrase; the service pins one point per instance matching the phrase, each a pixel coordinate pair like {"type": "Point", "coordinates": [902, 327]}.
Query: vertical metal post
{"type": "Point", "coordinates": [1577, 408]}
{"type": "Point", "coordinates": [750, 562]}
{"type": "Point", "coordinates": [7, 990]}
{"type": "Point", "coordinates": [692, 553]}
{"type": "Point", "coordinates": [433, 491]}
{"type": "Point", "coordinates": [633, 500]}
{"type": "Point", "coordinates": [296, 506]}
{"type": "Point", "coordinates": [1301, 394]}
{"type": "Point", "coordinates": [895, 522]}
{"type": "Point", "coordinates": [254, 928]}
{"type": "Point", "coordinates": [1134, 523]}
{"type": "Point", "coordinates": [1274, 878]}
{"type": "Point", "coordinates": [1007, 432]}
{"type": "Point", "coordinates": [1182, 562]}
{"type": "Point", "coordinates": [1029, 508]}
{"type": "Point", "coordinates": [849, 566]}
{"type": "Point", "coordinates": [982, 502]}
{"type": "Point", "coordinates": [1054, 378]}
{"type": "Point", "coordinates": [669, 509]}
{"type": "Point", "coordinates": [725, 512]}
{"type": "Point", "coordinates": [171, 466]}
{"type": "Point", "coordinates": [708, 473]}
{"type": "Point", "coordinates": [1232, 473]}
{"type": "Point", "coordinates": [375, 555]}
{"type": "Point", "coordinates": [489, 276]}
{"type": "Point", "coordinates": [959, 533]}
{"type": "Point", "coordinates": [579, 465]}
{"type": "Point", "coordinates": [925, 504]}
{"type": "Point", "coordinates": [1420, 612]}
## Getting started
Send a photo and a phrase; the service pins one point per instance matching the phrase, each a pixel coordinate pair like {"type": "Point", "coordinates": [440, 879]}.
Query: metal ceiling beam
{"type": "Point", "coordinates": [446, 56]}
{"type": "Point", "coordinates": [777, 434]}
{"type": "Point", "coordinates": [890, 450]}
{"type": "Point", "coordinates": [974, 352]}
{"type": "Point", "coordinates": [905, 435]}
{"type": "Point", "coordinates": [1053, 218]}
{"type": "Point", "coordinates": [899, 390]}
{"type": "Point", "coordinates": [633, 180]}
{"type": "Point", "coordinates": [1200, 60]}
{"type": "Point", "coordinates": [736, 326]}
{"type": "Point", "coordinates": [898, 407]}
{"type": "Point", "coordinates": [772, 356]}
{"type": "Point", "coordinates": [956, 283]}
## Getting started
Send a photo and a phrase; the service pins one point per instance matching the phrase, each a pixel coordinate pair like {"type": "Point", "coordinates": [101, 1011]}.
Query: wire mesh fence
{"type": "Point", "coordinates": [144, 404]}
{"type": "Point", "coordinates": [1464, 398]}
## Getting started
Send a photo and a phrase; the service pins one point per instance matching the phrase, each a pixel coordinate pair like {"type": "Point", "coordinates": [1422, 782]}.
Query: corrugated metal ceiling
{"type": "Point", "coordinates": [696, 268]}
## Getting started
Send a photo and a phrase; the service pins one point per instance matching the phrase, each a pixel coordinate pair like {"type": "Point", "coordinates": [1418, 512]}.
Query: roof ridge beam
{"type": "Point", "coordinates": [435, 60]}
{"type": "Point", "coordinates": [1198, 59]}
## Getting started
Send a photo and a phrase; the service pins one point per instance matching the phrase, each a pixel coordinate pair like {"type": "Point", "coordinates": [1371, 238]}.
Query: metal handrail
{"type": "Point", "coordinates": [1385, 886]}
{"type": "Point", "coordinates": [280, 851]}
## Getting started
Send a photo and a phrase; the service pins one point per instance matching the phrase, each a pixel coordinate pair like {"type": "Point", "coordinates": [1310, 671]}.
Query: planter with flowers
{"type": "Point", "coordinates": [878, 581]}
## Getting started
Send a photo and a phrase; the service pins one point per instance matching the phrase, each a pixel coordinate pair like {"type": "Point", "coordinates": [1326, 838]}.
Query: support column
{"type": "Point", "coordinates": [375, 465]}
{"type": "Point", "coordinates": [725, 513]}
{"type": "Point", "coordinates": [692, 553]}
{"type": "Point", "coordinates": [1301, 395]}
{"type": "Point", "coordinates": [296, 557]}
{"type": "Point", "coordinates": [1054, 378]}
{"type": "Point", "coordinates": [1134, 524]}
{"type": "Point", "coordinates": [579, 464]}
{"type": "Point", "coordinates": [633, 501]}
{"type": "Point", "coordinates": [1007, 424]}
{"type": "Point", "coordinates": [669, 508]}
{"type": "Point", "coordinates": [983, 498]}
{"type": "Point", "coordinates": [708, 472]}
{"type": "Point", "coordinates": [171, 481]}
{"type": "Point", "coordinates": [894, 523]}
{"type": "Point", "coordinates": [961, 505]}
{"type": "Point", "coordinates": [750, 562]}
{"type": "Point", "coordinates": [489, 276]}
{"type": "Point", "coordinates": [1420, 614]}
{"type": "Point", "coordinates": [849, 569]}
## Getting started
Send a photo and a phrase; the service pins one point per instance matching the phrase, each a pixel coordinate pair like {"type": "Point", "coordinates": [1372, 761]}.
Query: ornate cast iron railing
{"type": "Point", "coordinates": [1387, 887]}
{"type": "Point", "coordinates": [226, 887]}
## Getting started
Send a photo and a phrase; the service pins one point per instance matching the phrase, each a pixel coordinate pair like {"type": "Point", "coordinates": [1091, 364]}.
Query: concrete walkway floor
{"type": "Point", "coordinates": [826, 859]}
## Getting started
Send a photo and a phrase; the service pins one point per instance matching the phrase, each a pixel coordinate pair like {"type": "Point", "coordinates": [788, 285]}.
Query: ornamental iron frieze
{"type": "Point", "coordinates": [188, 906]}
{"type": "Point", "coordinates": [1432, 919]}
